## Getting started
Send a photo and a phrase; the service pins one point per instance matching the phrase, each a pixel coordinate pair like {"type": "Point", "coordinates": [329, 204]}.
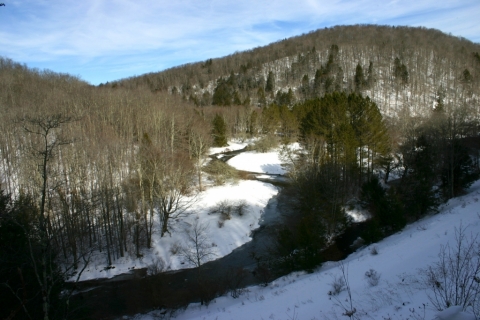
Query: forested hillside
{"type": "Point", "coordinates": [395, 66]}
{"type": "Point", "coordinates": [105, 169]}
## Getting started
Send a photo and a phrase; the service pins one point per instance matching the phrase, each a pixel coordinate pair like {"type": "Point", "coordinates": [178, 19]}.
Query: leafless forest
{"type": "Point", "coordinates": [100, 161]}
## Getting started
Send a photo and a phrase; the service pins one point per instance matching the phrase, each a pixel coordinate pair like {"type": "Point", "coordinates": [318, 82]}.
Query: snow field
{"type": "Point", "coordinates": [252, 161]}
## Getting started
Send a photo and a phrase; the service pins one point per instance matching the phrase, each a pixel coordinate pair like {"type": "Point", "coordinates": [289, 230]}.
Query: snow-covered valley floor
{"type": "Point", "coordinates": [223, 237]}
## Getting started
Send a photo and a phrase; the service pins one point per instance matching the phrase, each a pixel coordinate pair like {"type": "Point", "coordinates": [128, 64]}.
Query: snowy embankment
{"type": "Point", "coordinates": [399, 293]}
{"type": "Point", "coordinates": [232, 146]}
{"type": "Point", "coordinates": [223, 237]}
{"type": "Point", "coordinates": [251, 161]}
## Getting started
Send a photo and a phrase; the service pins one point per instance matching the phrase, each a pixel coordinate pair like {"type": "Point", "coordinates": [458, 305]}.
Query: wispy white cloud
{"type": "Point", "coordinates": [106, 34]}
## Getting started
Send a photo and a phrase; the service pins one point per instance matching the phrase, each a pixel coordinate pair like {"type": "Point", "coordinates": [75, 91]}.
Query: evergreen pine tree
{"type": "Point", "coordinates": [371, 75]}
{"type": "Point", "coordinates": [400, 71]}
{"type": "Point", "coordinates": [317, 83]}
{"type": "Point", "coordinates": [359, 78]}
{"type": "Point", "coordinates": [252, 123]}
{"type": "Point", "coordinates": [236, 99]}
{"type": "Point", "coordinates": [421, 174]}
{"type": "Point", "coordinates": [305, 88]}
{"type": "Point", "coordinates": [219, 131]}
{"type": "Point", "coordinates": [270, 86]}
{"type": "Point", "coordinates": [262, 100]}
{"type": "Point", "coordinates": [222, 95]}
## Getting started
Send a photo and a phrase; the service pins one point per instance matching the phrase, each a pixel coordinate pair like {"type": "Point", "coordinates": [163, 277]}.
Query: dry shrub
{"type": "Point", "coordinates": [265, 144]}
{"type": "Point", "coordinates": [224, 209]}
{"type": "Point", "coordinates": [157, 266]}
{"type": "Point", "coordinates": [373, 277]}
{"type": "Point", "coordinates": [221, 172]}
{"type": "Point", "coordinates": [338, 285]}
{"type": "Point", "coordinates": [227, 208]}
{"type": "Point", "coordinates": [175, 248]}
{"type": "Point", "coordinates": [454, 280]}
{"type": "Point", "coordinates": [240, 208]}
{"type": "Point", "coordinates": [235, 281]}
{"type": "Point", "coordinates": [245, 175]}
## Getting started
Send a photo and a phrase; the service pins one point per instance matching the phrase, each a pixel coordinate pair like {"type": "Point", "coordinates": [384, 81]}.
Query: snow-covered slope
{"type": "Point", "coordinates": [398, 295]}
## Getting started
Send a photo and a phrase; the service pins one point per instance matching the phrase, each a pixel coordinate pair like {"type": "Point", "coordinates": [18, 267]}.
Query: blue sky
{"type": "Point", "coordinates": [105, 40]}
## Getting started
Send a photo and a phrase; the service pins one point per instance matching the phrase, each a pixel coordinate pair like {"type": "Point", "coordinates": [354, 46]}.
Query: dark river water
{"type": "Point", "coordinates": [134, 292]}
{"type": "Point", "coordinates": [128, 294]}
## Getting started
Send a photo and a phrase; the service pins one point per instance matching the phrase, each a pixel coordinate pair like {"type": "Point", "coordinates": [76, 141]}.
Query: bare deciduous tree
{"type": "Point", "coordinates": [199, 142]}
{"type": "Point", "coordinates": [198, 249]}
{"type": "Point", "coordinates": [172, 191]}
{"type": "Point", "coordinates": [46, 131]}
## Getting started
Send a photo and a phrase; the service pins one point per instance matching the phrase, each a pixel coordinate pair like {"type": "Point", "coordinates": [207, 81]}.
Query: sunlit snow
{"type": "Point", "coordinates": [398, 295]}
{"type": "Point", "coordinates": [253, 161]}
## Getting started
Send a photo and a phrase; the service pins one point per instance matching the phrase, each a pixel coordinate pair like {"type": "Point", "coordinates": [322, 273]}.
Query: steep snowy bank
{"type": "Point", "coordinates": [399, 293]}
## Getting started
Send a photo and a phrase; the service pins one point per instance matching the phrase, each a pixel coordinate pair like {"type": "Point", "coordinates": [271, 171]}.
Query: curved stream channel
{"type": "Point", "coordinates": [134, 293]}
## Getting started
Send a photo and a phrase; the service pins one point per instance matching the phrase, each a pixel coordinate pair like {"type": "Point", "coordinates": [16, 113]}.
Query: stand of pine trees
{"type": "Point", "coordinates": [346, 147]}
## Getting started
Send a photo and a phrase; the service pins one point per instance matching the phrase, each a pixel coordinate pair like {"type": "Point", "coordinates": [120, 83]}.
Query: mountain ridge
{"type": "Point", "coordinates": [433, 63]}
